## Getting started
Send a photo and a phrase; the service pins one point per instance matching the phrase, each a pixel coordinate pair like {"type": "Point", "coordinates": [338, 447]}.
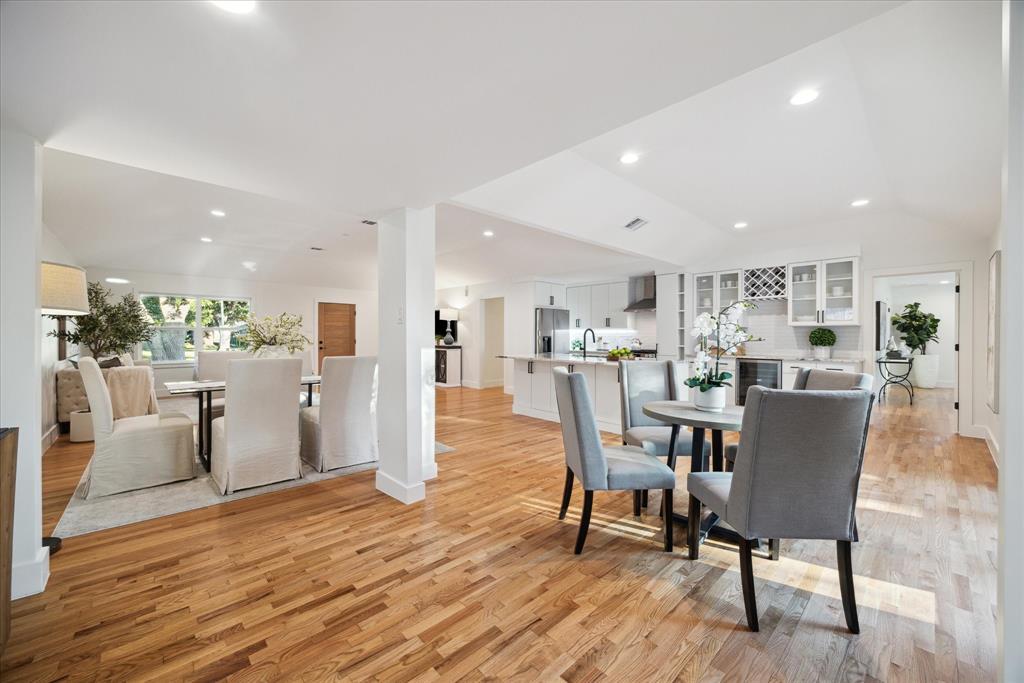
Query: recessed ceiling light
{"type": "Point", "coordinates": [219, 213]}
{"type": "Point", "coordinates": [802, 97]}
{"type": "Point", "coordinates": [941, 282]}
{"type": "Point", "coordinates": [206, 239]}
{"type": "Point", "coordinates": [740, 225]}
{"type": "Point", "coordinates": [856, 203]}
{"type": "Point", "coordinates": [629, 158]}
{"type": "Point", "coordinates": [235, 6]}
{"type": "Point", "coordinates": [117, 280]}
{"type": "Point", "coordinates": [249, 265]}
{"type": "Point", "coordinates": [488, 233]}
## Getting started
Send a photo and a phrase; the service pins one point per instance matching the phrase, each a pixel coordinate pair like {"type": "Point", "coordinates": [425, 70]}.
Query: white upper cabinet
{"type": "Point", "coordinates": [578, 302]}
{"type": "Point", "coordinates": [599, 302]}
{"type": "Point", "coordinates": [618, 299]}
{"type": "Point", "coordinates": [714, 291]}
{"type": "Point", "coordinates": [549, 295]}
{"type": "Point", "coordinates": [824, 292]}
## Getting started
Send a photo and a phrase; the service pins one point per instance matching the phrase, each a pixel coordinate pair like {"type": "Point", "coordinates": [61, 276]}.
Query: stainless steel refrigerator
{"type": "Point", "coordinates": [551, 330]}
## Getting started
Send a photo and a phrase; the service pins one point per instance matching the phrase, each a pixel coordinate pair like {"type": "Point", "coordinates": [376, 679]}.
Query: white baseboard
{"type": "Point", "coordinates": [429, 471]}
{"type": "Point", "coordinates": [993, 445]}
{"type": "Point", "coordinates": [490, 384]}
{"type": "Point", "coordinates": [49, 437]}
{"type": "Point", "coordinates": [29, 578]}
{"type": "Point", "coordinates": [470, 384]}
{"type": "Point", "coordinates": [404, 493]}
{"type": "Point", "coordinates": [603, 425]}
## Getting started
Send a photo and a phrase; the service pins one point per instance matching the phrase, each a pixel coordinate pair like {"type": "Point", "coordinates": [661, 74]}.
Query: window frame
{"type": "Point", "coordinates": [197, 327]}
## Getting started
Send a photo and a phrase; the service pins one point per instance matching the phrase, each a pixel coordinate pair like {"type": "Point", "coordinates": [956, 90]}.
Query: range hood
{"type": "Point", "coordinates": [643, 295]}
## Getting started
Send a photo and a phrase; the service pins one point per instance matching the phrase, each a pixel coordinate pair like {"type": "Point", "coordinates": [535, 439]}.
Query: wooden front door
{"type": "Point", "coordinates": [336, 331]}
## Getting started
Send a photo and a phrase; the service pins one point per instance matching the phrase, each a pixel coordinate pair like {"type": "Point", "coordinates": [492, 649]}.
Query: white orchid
{"type": "Point", "coordinates": [725, 331]}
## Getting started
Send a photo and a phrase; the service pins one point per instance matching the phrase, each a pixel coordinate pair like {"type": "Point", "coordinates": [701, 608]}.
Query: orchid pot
{"type": "Point", "coordinates": [712, 400]}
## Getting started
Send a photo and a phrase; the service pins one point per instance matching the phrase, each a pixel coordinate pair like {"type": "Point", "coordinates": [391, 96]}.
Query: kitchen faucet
{"type": "Point", "coordinates": [593, 335]}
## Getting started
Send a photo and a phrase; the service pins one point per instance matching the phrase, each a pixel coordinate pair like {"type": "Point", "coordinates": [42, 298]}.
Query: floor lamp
{"type": "Point", "coordinates": [63, 292]}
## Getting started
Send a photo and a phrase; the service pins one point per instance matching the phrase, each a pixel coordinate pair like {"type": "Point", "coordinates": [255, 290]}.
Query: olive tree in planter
{"type": "Point", "coordinates": [822, 339]}
{"type": "Point", "coordinates": [109, 328]}
{"type": "Point", "coordinates": [918, 328]}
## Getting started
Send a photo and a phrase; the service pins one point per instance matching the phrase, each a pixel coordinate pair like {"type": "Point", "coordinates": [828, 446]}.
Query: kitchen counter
{"type": "Point", "coordinates": [593, 358]}
{"type": "Point", "coordinates": [790, 357]}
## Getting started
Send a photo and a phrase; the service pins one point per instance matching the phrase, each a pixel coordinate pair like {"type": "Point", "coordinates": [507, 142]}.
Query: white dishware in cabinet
{"type": "Point", "coordinates": [823, 292]}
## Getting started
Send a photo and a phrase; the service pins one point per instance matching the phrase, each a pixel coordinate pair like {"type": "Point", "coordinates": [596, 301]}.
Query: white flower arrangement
{"type": "Point", "coordinates": [727, 334]}
{"type": "Point", "coordinates": [284, 330]}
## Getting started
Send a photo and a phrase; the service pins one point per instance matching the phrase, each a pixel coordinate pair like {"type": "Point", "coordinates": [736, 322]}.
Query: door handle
{"type": "Point", "coordinates": [552, 299]}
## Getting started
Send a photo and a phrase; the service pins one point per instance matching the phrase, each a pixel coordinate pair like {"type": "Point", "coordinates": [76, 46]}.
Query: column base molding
{"type": "Point", "coordinates": [402, 492]}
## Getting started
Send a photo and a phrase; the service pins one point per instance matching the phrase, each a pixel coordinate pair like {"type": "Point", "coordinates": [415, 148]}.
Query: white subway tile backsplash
{"type": "Point", "coordinates": [768, 320]}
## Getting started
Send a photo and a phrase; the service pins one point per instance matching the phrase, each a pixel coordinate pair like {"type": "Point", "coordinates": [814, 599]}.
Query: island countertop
{"type": "Point", "coordinates": [596, 358]}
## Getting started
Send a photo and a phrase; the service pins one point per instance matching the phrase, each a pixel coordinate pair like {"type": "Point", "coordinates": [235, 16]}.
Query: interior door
{"type": "Point", "coordinates": [336, 331]}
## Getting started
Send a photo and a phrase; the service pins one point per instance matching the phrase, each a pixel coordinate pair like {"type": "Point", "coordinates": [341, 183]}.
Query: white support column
{"type": "Point", "coordinates": [405, 402]}
{"type": "Point", "coordinates": [1010, 590]}
{"type": "Point", "coordinates": [21, 348]}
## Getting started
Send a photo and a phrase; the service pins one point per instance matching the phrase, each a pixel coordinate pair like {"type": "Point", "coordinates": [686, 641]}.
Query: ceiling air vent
{"type": "Point", "coordinates": [369, 222]}
{"type": "Point", "coordinates": [635, 224]}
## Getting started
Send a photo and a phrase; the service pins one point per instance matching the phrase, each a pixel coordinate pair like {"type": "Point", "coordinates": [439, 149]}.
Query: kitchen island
{"type": "Point", "coordinates": [535, 391]}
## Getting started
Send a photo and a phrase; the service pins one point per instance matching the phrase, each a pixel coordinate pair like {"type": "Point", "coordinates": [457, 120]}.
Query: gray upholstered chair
{"type": "Point", "coordinates": [643, 381]}
{"type": "Point", "coordinates": [810, 379]}
{"type": "Point", "coordinates": [796, 476]}
{"type": "Point", "coordinates": [600, 467]}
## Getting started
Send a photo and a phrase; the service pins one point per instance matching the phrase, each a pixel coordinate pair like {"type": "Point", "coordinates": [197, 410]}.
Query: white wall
{"type": "Point", "coordinates": [52, 250]}
{"type": "Point", "coordinates": [268, 298]}
{"type": "Point", "coordinates": [940, 301]}
{"type": "Point", "coordinates": [20, 355]}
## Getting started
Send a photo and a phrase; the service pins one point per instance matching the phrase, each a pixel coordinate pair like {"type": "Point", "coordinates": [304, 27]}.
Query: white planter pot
{"type": "Point", "coordinates": [925, 374]}
{"type": "Point", "coordinates": [822, 352]}
{"type": "Point", "coordinates": [711, 401]}
{"type": "Point", "coordinates": [272, 352]}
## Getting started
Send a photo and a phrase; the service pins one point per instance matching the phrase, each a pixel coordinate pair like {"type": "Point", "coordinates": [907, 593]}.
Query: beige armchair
{"type": "Point", "coordinates": [133, 452]}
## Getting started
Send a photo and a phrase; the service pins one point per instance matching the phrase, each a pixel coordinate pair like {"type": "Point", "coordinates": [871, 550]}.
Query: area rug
{"type": "Point", "coordinates": [83, 516]}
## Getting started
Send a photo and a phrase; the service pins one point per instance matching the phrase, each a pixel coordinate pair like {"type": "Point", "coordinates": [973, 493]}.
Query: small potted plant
{"type": "Point", "coordinates": [918, 328]}
{"type": "Point", "coordinates": [822, 340]}
{"type": "Point", "coordinates": [725, 332]}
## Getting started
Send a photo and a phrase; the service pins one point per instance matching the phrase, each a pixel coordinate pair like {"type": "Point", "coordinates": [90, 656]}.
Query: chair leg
{"type": "Point", "coordinates": [846, 585]}
{"type": "Point", "coordinates": [747, 580]}
{"type": "Point", "coordinates": [636, 503]}
{"type": "Point", "coordinates": [773, 548]}
{"type": "Point", "coordinates": [667, 497]}
{"type": "Point", "coordinates": [693, 528]}
{"type": "Point", "coordinates": [643, 499]}
{"type": "Point", "coordinates": [588, 502]}
{"type": "Point", "coordinates": [566, 493]}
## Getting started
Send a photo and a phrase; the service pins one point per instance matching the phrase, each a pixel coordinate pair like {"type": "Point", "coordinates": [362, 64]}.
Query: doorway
{"type": "Point", "coordinates": [492, 368]}
{"type": "Point", "coordinates": [335, 331]}
{"type": "Point", "coordinates": [934, 376]}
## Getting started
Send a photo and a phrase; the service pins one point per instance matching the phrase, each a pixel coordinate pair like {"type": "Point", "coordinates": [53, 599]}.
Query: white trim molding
{"type": "Point", "coordinates": [404, 493]}
{"type": "Point", "coordinates": [29, 578]}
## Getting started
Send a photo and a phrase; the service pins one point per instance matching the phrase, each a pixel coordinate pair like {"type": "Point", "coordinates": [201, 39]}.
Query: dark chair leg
{"type": "Point", "coordinates": [667, 497]}
{"type": "Point", "coordinates": [643, 499]}
{"type": "Point", "coordinates": [588, 502]}
{"type": "Point", "coordinates": [566, 493]}
{"type": "Point", "coordinates": [747, 580]}
{"type": "Point", "coordinates": [693, 529]}
{"type": "Point", "coordinates": [846, 585]}
{"type": "Point", "coordinates": [773, 548]}
{"type": "Point", "coordinates": [636, 503]}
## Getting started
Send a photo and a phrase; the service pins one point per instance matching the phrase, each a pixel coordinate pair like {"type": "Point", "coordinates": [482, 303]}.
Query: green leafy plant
{"type": "Point", "coordinates": [284, 330]}
{"type": "Point", "coordinates": [109, 328]}
{"type": "Point", "coordinates": [917, 327]}
{"type": "Point", "coordinates": [726, 332]}
{"type": "Point", "coordinates": [822, 336]}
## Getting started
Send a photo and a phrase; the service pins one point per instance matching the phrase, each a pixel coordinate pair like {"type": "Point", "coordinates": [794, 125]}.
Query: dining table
{"type": "Point", "coordinates": [204, 390]}
{"type": "Point", "coordinates": [679, 414]}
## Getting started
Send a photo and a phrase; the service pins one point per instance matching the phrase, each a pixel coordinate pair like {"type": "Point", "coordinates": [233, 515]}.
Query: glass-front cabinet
{"type": "Point", "coordinates": [704, 294]}
{"type": "Point", "coordinates": [823, 292]}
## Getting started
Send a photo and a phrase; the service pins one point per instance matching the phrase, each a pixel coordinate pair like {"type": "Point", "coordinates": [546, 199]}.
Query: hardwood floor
{"type": "Point", "coordinates": [333, 580]}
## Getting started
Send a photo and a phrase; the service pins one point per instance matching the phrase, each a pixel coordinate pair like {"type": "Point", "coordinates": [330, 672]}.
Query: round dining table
{"type": "Point", "coordinates": [680, 414]}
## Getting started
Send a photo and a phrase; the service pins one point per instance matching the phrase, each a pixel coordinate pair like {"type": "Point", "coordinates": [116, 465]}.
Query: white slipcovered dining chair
{"type": "Point", "coordinates": [212, 366]}
{"type": "Point", "coordinates": [257, 441]}
{"type": "Point", "coordinates": [342, 430]}
{"type": "Point", "coordinates": [133, 452]}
